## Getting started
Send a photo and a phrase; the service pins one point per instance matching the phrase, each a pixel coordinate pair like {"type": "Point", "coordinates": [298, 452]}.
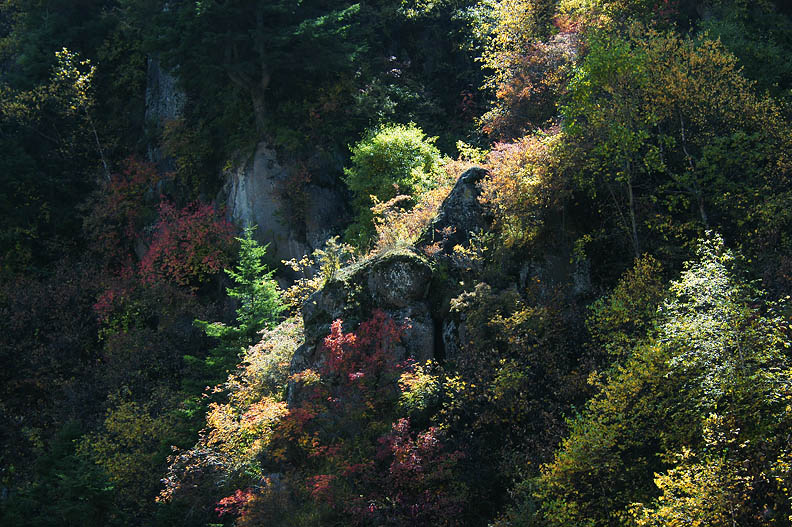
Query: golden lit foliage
{"type": "Point", "coordinates": [524, 184]}
{"type": "Point", "coordinates": [239, 427]}
{"type": "Point", "coordinates": [669, 135]}
{"type": "Point", "coordinates": [127, 446]}
{"type": "Point", "coordinates": [617, 322]}
{"type": "Point", "coordinates": [315, 270]}
{"type": "Point", "coordinates": [719, 350]}
{"type": "Point", "coordinates": [529, 65]}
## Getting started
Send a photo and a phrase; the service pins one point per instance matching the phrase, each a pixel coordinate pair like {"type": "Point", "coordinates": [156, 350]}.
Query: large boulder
{"type": "Point", "coordinates": [459, 215]}
{"type": "Point", "coordinates": [396, 282]}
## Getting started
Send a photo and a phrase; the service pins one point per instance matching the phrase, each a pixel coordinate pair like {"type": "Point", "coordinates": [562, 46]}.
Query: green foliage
{"type": "Point", "coordinates": [68, 490]}
{"type": "Point", "coordinates": [260, 47]}
{"type": "Point", "coordinates": [259, 307]}
{"type": "Point", "coordinates": [618, 321]}
{"type": "Point", "coordinates": [650, 115]}
{"type": "Point", "coordinates": [518, 373]}
{"type": "Point", "coordinates": [389, 160]}
{"type": "Point", "coordinates": [716, 350]}
{"type": "Point", "coordinates": [255, 289]}
{"type": "Point", "coordinates": [759, 36]}
{"type": "Point", "coordinates": [50, 154]}
{"type": "Point", "coordinates": [420, 389]}
{"type": "Point", "coordinates": [129, 447]}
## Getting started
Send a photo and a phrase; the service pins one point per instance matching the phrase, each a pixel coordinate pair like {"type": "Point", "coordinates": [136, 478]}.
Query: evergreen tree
{"type": "Point", "coordinates": [260, 306]}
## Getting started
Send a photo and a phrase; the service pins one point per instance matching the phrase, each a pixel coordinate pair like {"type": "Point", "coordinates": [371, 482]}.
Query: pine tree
{"type": "Point", "coordinates": [259, 308]}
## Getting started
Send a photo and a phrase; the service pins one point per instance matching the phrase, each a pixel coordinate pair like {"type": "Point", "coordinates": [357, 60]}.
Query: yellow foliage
{"type": "Point", "coordinates": [524, 183]}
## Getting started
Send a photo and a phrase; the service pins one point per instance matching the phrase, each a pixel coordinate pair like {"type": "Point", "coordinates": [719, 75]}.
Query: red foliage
{"type": "Point", "coordinates": [532, 81]}
{"type": "Point", "coordinates": [119, 213]}
{"type": "Point", "coordinates": [351, 356]}
{"type": "Point", "coordinates": [320, 487]}
{"type": "Point", "coordinates": [189, 245]}
{"type": "Point", "coordinates": [420, 485]}
{"type": "Point", "coordinates": [340, 436]}
{"type": "Point", "coordinates": [234, 504]}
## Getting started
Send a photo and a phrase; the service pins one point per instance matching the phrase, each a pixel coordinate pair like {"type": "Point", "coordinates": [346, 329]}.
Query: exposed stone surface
{"type": "Point", "coordinates": [396, 282]}
{"type": "Point", "coordinates": [253, 190]}
{"type": "Point", "coordinates": [255, 194]}
{"type": "Point", "coordinates": [459, 215]}
{"type": "Point", "coordinates": [324, 213]}
{"type": "Point", "coordinates": [164, 101]}
{"type": "Point", "coordinates": [401, 283]}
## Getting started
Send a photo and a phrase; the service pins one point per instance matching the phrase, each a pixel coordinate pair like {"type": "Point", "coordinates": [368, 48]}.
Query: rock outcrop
{"type": "Point", "coordinates": [164, 102]}
{"type": "Point", "coordinates": [402, 283]}
{"type": "Point", "coordinates": [255, 193]}
{"type": "Point", "coordinates": [396, 282]}
{"type": "Point", "coordinates": [460, 215]}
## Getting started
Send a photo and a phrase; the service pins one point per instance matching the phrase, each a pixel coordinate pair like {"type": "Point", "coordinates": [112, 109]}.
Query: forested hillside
{"type": "Point", "coordinates": [396, 263]}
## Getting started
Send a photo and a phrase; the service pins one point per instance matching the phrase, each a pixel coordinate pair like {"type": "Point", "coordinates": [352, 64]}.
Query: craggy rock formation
{"type": "Point", "coordinates": [256, 192]}
{"type": "Point", "coordinates": [164, 101]}
{"type": "Point", "coordinates": [459, 215]}
{"type": "Point", "coordinates": [402, 282]}
{"type": "Point", "coordinates": [396, 282]}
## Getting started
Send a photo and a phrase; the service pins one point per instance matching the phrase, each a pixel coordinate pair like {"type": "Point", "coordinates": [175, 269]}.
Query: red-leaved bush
{"type": "Point", "coordinates": [234, 504]}
{"type": "Point", "coordinates": [420, 486]}
{"type": "Point", "coordinates": [119, 212]}
{"type": "Point", "coordinates": [189, 245]}
{"type": "Point", "coordinates": [343, 439]}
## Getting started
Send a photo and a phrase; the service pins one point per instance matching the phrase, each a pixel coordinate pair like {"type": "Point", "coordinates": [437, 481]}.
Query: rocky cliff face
{"type": "Point", "coordinates": [396, 282]}
{"type": "Point", "coordinates": [405, 283]}
{"type": "Point", "coordinates": [256, 193]}
{"type": "Point", "coordinates": [164, 101]}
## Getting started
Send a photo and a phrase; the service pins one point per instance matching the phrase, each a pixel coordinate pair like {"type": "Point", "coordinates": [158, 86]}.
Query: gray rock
{"type": "Point", "coordinates": [165, 101]}
{"type": "Point", "coordinates": [255, 194]}
{"type": "Point", "coordinates": [396, 282]}
{"type": "Point", "coordinates": [324, 212]}
{"type": "Point", "coordinates": [398, 279]}
{"type": "Point", "coordinates": [253, 190]}
{"type": "Point", "coordinates": [418, 340]}
{"type": "Point", "coordinates": [459, 215]}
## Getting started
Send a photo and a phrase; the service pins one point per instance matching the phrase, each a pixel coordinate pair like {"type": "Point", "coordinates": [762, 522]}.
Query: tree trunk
{"type": "Point", "coordinates": [259, 111]}
{"type": "Point", "coordinates": [633, 224]}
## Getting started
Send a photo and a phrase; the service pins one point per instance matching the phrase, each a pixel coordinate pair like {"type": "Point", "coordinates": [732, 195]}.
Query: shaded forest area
{"type": "Point", "coordinates": [557, 293]}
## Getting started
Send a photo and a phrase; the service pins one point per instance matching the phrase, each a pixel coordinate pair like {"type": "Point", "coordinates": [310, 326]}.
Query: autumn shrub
{"type": "Point", "coordinates": [341, 452]}
{"type": "Point", "coordinates": [388, 161]}
{"type": "Point", "coordinates": [241, 417]}
{"type": "Point", "coordinates": [128, 447]}
{"type": "Point", "coordinates": [528, 85]}
{"type": "Point", "coordinates": [315, 270]}
{"type": "Point", "coordinates": [525, 184]}
{"type": "Point", "coordinates": [618, 321]}
{"type": "Point", "coordinates": [363, 462]}
{"type": "Point", "coordinates": [119, 211]}
{"type": "Point", "coordinates": [188, 246]}
{"type": "Point", "coordinates": [700, 403]}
